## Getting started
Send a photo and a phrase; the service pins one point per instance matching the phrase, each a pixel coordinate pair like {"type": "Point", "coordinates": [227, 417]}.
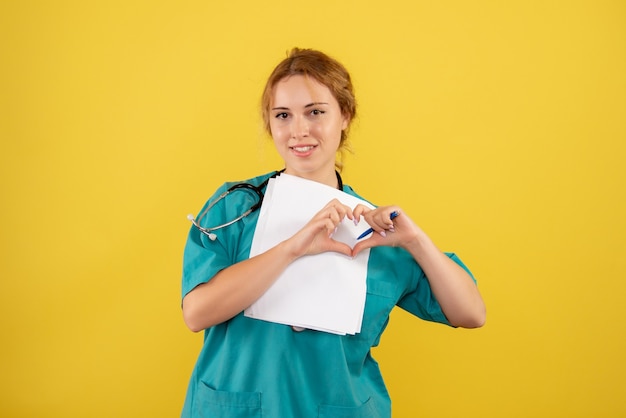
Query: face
{"type": "Point", "coordinates": [306, 124]}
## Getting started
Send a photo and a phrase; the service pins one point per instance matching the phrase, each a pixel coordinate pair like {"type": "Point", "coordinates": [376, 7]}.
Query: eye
{"type": "Point", "coordinates": [282, 115]}
{"type": "Point", "coordinates": [317, 112]}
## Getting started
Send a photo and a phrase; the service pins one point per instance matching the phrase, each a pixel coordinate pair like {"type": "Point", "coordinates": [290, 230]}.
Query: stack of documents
{"type": "Point", "coordinates": [324, 292]}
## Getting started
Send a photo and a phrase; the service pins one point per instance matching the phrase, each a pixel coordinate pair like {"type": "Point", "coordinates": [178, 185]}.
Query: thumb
{"type": "Point", "coordinates": [360, 246]}
{"type": "Point", "coordinates": [340, 247]}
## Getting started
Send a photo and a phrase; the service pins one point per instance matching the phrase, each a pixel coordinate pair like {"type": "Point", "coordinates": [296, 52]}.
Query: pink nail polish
{"type": "Point", "coordinates": [383, 234]}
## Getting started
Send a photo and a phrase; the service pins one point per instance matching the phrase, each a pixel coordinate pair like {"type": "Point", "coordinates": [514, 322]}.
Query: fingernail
{"type": "Point", "coordinates": [392, 229]}
{"type": "Point", "coordinates": [356, 221]}
{"type": "Point", "coordinates": [382, 233]}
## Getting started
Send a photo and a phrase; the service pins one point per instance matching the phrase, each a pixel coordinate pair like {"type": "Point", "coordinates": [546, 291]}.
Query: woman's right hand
{"type": "Point", "coordinates": [230, 291]}
{"type": "Point", "coordinates": [316, 236]}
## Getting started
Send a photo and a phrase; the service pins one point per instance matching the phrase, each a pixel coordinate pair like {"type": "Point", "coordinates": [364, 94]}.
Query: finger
{"type": "Point", "coordinates": [339, 213]}
{"type": "Point", "coordinates": [383, 217]}
{"type": "Point", "coordinates": [391, 214]}
{"type": "Point", "coordinates": [340, 247]}
{"type": "Point", "coordinates": [348, 212]}
{"type": "Point", "coordinates": [329, 226]}
{"type": "Point", "coordinates": [335, 216]}
{"type": "Point", "coordinates": [360, 210]}
{"type": "Point", "coordinates": [344, 211]}
{"type": "Point", "coordinates": [362, 245]}
{"type": "Point", "coordinates": [339, 216]}
{"type": "Point", "coordinates": [375, 222]}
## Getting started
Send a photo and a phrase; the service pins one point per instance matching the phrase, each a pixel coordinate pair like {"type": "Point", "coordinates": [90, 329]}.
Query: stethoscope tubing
{"type": "Point", "coordinates": [258, 190]}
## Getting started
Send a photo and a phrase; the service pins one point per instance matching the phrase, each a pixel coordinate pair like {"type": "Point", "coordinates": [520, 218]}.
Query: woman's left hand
{"type": "Point", "coordinates": [453, 287]}
{"type": "Point", "coordinates": [399, 232]}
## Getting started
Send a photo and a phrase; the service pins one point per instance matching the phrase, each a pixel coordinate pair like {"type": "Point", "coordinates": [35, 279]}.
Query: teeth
{"type": "Point", "coordinates": [303, 149]}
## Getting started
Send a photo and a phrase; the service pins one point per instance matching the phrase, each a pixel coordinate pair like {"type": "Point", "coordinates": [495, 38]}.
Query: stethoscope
{"type": "Point", "coordinates": [257, 191]}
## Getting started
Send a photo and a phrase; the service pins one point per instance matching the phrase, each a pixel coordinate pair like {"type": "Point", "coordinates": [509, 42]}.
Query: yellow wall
{"type": "Point", "coordinates": [500, 126]}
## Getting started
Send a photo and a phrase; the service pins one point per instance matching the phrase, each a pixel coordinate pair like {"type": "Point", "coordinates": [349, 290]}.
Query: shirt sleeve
{"type": "Point", "coordinates": [421, 301]}
{"type": "Point", "coordinates": [202, 257]}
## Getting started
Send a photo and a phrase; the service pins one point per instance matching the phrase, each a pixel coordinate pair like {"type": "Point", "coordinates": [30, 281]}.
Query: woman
{"type": "Point", "coordinates": [253, 368]}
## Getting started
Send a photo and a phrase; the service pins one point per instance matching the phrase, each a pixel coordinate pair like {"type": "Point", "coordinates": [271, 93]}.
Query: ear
{"type": "Point", "coordinates": [345, 122]}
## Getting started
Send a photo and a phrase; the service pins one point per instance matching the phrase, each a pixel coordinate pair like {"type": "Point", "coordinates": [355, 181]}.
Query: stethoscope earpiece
{"type": "Point", "coordinates": [205, 231]}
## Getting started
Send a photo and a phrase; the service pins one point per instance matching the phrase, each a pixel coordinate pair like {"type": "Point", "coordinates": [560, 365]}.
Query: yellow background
{"type": "Point", "coordinates": [499, 126]}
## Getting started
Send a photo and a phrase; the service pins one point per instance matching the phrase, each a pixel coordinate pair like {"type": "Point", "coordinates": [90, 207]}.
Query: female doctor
{"type": "Point", "coordinates": [253, 368]}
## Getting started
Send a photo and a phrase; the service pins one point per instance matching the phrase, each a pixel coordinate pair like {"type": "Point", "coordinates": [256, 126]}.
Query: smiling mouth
{"type": "Point", "coordinates": [303, 149]}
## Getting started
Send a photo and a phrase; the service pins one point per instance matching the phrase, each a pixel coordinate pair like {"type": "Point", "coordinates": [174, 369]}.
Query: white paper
{"type": "Point", "coordinates": [325, 292]}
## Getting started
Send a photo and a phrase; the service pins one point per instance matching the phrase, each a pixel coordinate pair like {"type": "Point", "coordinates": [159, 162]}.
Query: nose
{"type": "Point", "coordinates": [299, 128]}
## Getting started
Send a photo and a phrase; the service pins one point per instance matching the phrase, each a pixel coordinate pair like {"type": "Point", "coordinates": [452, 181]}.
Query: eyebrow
{"type": "Point", "coordinates": [309, 105]}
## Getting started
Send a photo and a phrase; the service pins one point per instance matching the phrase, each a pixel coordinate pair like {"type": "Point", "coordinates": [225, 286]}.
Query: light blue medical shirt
{"type": "Point", "coordinates": [252, 368]}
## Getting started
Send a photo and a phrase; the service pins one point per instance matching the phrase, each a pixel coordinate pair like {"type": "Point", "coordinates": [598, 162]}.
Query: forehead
{"type": "Point", "coordinates": [300, 89]}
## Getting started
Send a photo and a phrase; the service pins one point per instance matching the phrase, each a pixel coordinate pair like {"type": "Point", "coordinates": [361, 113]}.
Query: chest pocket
{"type": "Point", "coordinates": [380, 300]}
{"type": "Point", "coordinates": [382, 288]}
